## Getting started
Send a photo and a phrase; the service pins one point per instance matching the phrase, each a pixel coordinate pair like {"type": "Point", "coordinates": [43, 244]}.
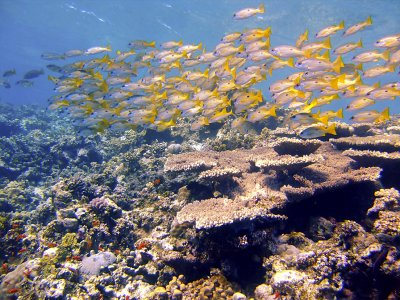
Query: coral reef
{"type": "Point", "coordinates": [218, 214]}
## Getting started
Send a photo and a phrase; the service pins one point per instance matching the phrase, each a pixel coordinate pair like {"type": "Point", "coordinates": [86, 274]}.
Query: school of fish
{"type": "Point", "coordinates": [156, 87]}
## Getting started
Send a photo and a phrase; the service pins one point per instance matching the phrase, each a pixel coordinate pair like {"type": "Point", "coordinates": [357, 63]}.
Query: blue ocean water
{"type": "Point", "coordinates": [30, 28]}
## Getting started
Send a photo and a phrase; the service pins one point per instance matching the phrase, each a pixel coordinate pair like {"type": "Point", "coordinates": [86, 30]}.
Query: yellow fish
{"type": "Point", "coordinates": [261, 113]}
{"type": "Point", "coordinates": [379, 70]}
{"type": "Point", "coordinates": [302, 38]}
{"type": "Point", "coordinates": [357, 27]}
{"type": "Point", "coordinates": [329, 30]}
{"type": "Point", "coordinates": [317, 131]}
{"type": "Point", "coordinates": [388, 41]}
{"type": "Point", "coordinates": [360, 103]}
{"type": "Point", "coordinates": [371, 116]}
{"type": "Point", "coordinates": [346, 48]}
{"type": "Point", "coordinates": [248, 12]}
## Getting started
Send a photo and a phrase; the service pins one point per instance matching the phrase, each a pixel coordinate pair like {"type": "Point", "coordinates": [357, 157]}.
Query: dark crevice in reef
{"type": "Point", "coordinates": [347, 203]}
{"type": "Point", "coordinates": [363, 282]}
{"type": "Point", "coordinates": [390, 177]}
{"type": "Point", "coordinates": [237, 253]}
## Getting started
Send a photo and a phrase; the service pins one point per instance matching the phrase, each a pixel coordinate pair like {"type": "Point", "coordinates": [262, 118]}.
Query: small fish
{"type": "Point", "coordinates": [302, 38]}
{"type": "Point", "coordinates": [331, 114]}
{"type": "Point", "coordinates": [96, 50]}
{"type": "Point", "coordinates": [227, 51]}
{"type": "Point", "coordinates": [317, 131]}
{"type": "Point", "coordinates": [55, 68]}
{"type": "Point", "coordinates": [248, 12]}
{"type": "Point", "coordinates": [384, 93]}
{"type": "Point", "coordinates": [346, 48]}
{"type": "Point", "coordinates": [289, 51]}
{"type": "Point", "coordinates": [189, 48]}
{"type": "Point", "coordinates": [357, 27]}
{"type": "Point", "coordinates": [33, 74]}
{"type": "Point", "coordinates": [318, 46]}
{"type": "Point", "coordinates": [171, 44]}
{"type": "Point", "coordinates": [219, 116]}
{"type": "Point", "coordinates": [255, 35]}
{"type": "Point", "coordinates": [379, 70]}
{"type": "Point", "coordinates": [231, 37]}
{"type": "Point", "coordinates": [360, 103]}
{"type": "Point", "coordinates": [25, 83]}
{"type": "Point", "coordinates": [306, 118]}
{"type": "Point", "coordinates": [261, 113]}
{"type": "Point", "coordinates": [9, 73]}
{"type": "Point", "coordinates": [73, 53]}
{"type": "Point", "coordinates": [312, 64]}
{"type": "Point", "coordinates": [52, 56]}
{"type": "Point", "coordinates": [369, 56]}
{"type": "Point", "coordinates": [388, 41]}
{"type": "Point", "coordinates": [199, 123]}
{"type": "Point", "coordinates": [329, 30]}
{"type": "Point", "coordinates": [371, 116]}
{"type": "Point", "coordinates": [141, 44]}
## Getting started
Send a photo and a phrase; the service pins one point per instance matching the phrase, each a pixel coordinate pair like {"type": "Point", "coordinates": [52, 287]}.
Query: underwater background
{"type": "Point", "coordinates": [32, 28]}
{"type": "Point", "coordinates": [258, 212]}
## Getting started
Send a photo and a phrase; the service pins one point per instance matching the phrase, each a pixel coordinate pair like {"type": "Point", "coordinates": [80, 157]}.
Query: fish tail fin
{"type": "Point", "coordinates": [259, 96]}
{"type": "Point", "coordinates": [301, 94]}
{"type": "Point", "coordinates": [392, 68]}
{"type": "Point", "coordinates": [53, 79]}
{"type": "Point", "coordinates": [163, 95]}
{"type": "Point", "coordinates": [199, 46]}
{"type": "Point", "coordinates": [180, 42]}
{"type": "Point", "coordinates": [270, 71]}
{"type": "Point", "coordinates": [385, 114]}
{"type": "Point", "coordinates": [307, 53]}
{"type": "Point", "coordinates": [341, 25]}
{"type": "Point", "coordinates": [359, 67]}
{"type": "Point", "coordinates": [241, 48]}
{"type": "Point", "coordinates": [359, 44]}
{"type": "Point", "coordinates": [331, 129]}
{"type": "Point", "coordinates": [337, 64]}
{"type": "Point", "coordinates": [339, 113]}
{"type": "Point", "coordinates": [326, 55]}
{"type": "Point", "coordinates": [369, 21]}
{"type": "Point", "coordinates": [233, 73]}
{"type": "Point", "coordinates": [290, 62]}
{"type": "Point", "coordinates": [261, 8]}
{"type": "Point", "coordinates": [206, 72]}
{"type": "Point", "coordinates": [324, 120]}
{"type": "Point", "coordinates": [358, 80]}
{"type": "Point", "coordinates": [327, 43]}
{"type": "Point", "coordinates": [185, 54]}
{"type": "Point", "coordinates": [386, 55]}
{"type": "Point", "coordinates": [306, 35]}
{"type": "Point", "coordinates": [334, 83]}
{"type": "Point", "coordinates": [267, 32]}
{"type": "Point", "coordinates": [152, 44]}
{"type": "Point", "coordinates": [272, 111]}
